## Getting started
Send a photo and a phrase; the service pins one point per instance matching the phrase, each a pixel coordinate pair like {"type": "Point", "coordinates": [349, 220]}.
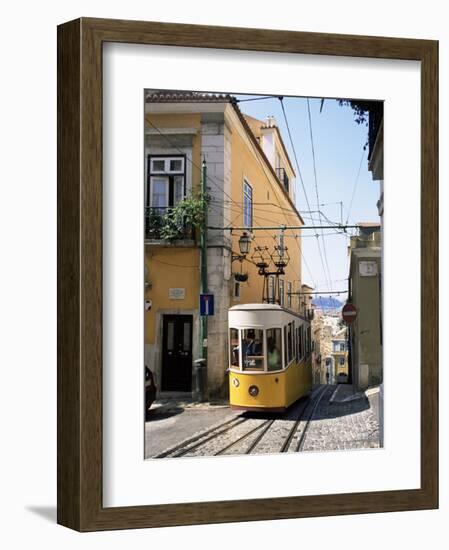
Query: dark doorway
{"type": "Point", "coordinates": [177, 353]}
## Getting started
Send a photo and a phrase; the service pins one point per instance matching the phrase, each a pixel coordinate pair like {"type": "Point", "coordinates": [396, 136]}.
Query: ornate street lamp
{"type": "Point", "coordinates": [244, 246]}
{"type": "Point", "coordinates": [244, 243]}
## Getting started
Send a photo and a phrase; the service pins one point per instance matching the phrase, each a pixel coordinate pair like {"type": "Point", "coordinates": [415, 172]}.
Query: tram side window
{"type": "Point", "coordinates": [234, 347]}
{"type": "Point", "coordinates": [285, 347]}
{"type": "Point", "coordinates": [252, 349]}
{"type": "Point", "coordinates": [301, 343]}
{"type": "Point", "coordinates": [298, 344]}
{"type": "Point", "coordinates": [274, 349]}
{"type": "Point", "coordinates": [307, 343]}
{"type": "Point", "coordinates": [290, 342]}
{"type": "Point", "coordinates": [295, 356]}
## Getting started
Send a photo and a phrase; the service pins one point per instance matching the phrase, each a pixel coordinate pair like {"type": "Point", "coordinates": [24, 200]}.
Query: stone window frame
{"type": "Point", "coordinates": [247, 196]}
{"type": "Point", "coordinates": [169, 174]}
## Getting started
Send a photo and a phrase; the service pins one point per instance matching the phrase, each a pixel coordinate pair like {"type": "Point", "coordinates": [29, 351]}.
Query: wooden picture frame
{"type": "Point", "coordinates": [80, 351]}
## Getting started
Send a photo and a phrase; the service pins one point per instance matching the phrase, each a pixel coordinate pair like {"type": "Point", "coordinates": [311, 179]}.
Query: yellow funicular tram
{"type": "Point", "coordinates": [269, 357]}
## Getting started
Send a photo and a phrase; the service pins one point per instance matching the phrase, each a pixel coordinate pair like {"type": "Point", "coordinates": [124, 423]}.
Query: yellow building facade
{"type": "Point", "coordinates": [250, 184]}
{"type": "Point", "coordinates": [339, 355]}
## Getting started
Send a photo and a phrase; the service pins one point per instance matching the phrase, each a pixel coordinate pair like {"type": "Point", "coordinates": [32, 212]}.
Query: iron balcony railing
{"type": "Point", "coordinates": [283, 178]}
{"type": "Point", "coordinates": [157, 219]}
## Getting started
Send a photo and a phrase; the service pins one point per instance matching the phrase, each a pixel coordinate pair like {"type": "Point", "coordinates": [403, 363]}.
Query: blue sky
{"type": "Point", "coordinates": [338, 144]}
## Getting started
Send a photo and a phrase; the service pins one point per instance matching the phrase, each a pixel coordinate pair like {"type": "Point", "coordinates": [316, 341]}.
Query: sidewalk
{"type": "Point", "coordinates": [346, 392]}
{"type": "Point", "coordinates": [343, 392]}
{"type": "Point", "coordinates": [170, 403]}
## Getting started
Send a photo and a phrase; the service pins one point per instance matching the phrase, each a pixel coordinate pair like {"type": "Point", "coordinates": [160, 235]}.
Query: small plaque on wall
{"type": "Point", "coordinates": [176, 293]}
{"type": "Point", "coordinates": [368, 268]}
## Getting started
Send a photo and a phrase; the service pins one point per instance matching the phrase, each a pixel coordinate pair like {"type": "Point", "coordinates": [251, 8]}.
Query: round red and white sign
{"type": "Point", "coordinates": [349, 313]}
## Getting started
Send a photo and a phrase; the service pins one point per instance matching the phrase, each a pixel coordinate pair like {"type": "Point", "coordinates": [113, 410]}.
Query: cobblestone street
{"type": "Point", "coordinates": [332, 418]}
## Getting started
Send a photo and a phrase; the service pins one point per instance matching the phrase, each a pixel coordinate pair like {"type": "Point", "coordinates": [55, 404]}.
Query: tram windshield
{"type": "Point", "coordinates": [248, 349]}
{"type": "Point", "coordinates": [252, 349]}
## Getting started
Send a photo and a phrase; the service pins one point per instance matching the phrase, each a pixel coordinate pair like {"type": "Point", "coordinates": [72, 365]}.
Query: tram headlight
{"type": "Point", "coordinates": [235, 382]}
{"type": "Point", "coordinates": [253, 391]}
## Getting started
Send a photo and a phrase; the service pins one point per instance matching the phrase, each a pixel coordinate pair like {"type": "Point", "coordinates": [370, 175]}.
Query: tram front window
{"type": "Point", "coordinates": [252, 349]}
{"type": "Point", "coordinates": [234, 347]}
{"type": "Point", "coordinates": [274, 349]}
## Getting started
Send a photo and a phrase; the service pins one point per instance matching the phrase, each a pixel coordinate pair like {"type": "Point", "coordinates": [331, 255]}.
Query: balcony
{"type": "Point", "coordinates": [283, 178]}
{"type": "Point", "coordinates": [162, 228]}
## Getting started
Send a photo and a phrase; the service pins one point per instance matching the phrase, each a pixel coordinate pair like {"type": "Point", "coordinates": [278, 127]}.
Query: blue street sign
{"type": "Point", "coordinates": [206, 304]}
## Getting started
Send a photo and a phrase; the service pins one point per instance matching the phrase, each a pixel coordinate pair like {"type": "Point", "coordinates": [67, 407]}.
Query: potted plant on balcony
{"type": "Point", "coordinates": [153, 223]}
{"type": "Point", "coordinates": [180, 221]}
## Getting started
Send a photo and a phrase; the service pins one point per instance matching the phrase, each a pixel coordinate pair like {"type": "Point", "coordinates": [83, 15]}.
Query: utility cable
{"type": "Point", "coordinates": [281, 99]}
{"type": "Point", "coordinates": [316, 191]}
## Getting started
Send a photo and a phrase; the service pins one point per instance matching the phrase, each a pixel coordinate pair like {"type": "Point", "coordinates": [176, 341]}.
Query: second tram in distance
{"type": "Point", "coordinates": [269, 357]}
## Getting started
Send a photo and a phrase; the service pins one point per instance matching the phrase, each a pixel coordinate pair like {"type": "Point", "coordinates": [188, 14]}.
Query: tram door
{"type": "Point", "coordinates": [177, 353]}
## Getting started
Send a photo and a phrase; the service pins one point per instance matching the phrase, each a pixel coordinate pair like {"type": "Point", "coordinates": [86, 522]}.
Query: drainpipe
{"type": "Point", "coordinates": [201, 366]}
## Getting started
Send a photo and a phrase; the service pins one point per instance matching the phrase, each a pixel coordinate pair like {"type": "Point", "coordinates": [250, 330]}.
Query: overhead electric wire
{"type": "Point", "coordinates": [220, 213]}
{"type": "Point", "coordinates": [277, 197]}
{"type": "Point", "coordinates": [287, 209]}
{"type": "Point", "coordinates": [289, 212]}
{"type": "Point", "coordinates": [277, 227]}
{"type": "Point", "coordinates": [308, 268]}
{"type": "Point", "coordinates": [316, 190]}
{"type": "Point", "coordinates": [355, 186]}
{"type": "Point", "coordinates": [256, 214]}
{"type": "Point", "coordinates": [337, 225]}
{"type": "Point", "coordinates": [301, 179]}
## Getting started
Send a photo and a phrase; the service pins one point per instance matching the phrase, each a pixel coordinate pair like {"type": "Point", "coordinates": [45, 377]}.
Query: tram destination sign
{"type": "Point", "coordinates": [349, 313]}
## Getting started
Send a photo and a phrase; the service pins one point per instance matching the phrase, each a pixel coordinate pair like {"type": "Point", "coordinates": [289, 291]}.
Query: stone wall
{"type": "Point", "coordinates": [215, 149]}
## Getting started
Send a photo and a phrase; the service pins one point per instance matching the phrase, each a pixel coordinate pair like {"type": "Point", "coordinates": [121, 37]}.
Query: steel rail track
{"type": "Point", "coordinates": [204, 434]}
{"type": "Point", "coordinates": [215, 432]}
{"type": "Point", "coordinates": [293, 430]}
{"type": "Point", "coordinates": [302, 438]}
{"type": "Point", "coordinates": [264, 427]}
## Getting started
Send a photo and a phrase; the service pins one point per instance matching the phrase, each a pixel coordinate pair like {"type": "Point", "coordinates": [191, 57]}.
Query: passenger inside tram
{"type": "Point", "coordinates": [274, 355]}
{"type": "Point", "coordinates": [252, 349]}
